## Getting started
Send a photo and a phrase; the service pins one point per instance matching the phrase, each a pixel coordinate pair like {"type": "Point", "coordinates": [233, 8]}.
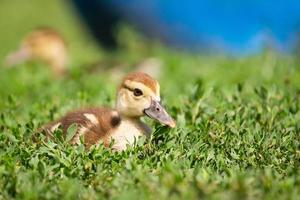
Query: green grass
{"type": "Point", "coordinates": [238, 121]}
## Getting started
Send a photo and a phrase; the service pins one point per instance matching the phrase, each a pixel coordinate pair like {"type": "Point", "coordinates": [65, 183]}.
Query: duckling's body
{"type": "Point", "coordinates": [43, 44]}
{"type": "Point", "coordinates": [121, 125]}
{"type": "Point", "coordinates": [98, 125]}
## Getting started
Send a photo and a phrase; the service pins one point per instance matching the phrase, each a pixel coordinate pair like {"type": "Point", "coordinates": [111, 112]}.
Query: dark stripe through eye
{"type": "Point", "coordinates": [137, 92]}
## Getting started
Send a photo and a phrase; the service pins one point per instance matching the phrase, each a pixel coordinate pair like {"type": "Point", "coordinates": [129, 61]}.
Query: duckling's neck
{"type": "Point", "coordinates": [136, 122]}
{"type": "Point", "coordinates": [128, 131]}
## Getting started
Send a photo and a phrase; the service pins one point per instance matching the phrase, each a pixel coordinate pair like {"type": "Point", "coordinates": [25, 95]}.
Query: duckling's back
{"type": "Point", "coordinates": [93, 124]}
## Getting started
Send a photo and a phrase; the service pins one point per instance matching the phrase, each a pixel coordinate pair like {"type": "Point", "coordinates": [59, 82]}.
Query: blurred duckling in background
{"type": "Point", "coordinates": [138, 95]}
{"type": "Point", "coordinates": [152, 66]}
{"type": "Point", "coordinates": [117, 69]}
{"type": "Point", "coordinates": [43, 44]}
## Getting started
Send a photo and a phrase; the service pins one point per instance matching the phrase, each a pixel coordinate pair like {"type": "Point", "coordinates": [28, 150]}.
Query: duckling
{"type": "Point", "coordinates": [152, 66]}
{"type": "Point", "coordinates": [138, 95]}
{"type": "Point", "coordinates": [43, 44]}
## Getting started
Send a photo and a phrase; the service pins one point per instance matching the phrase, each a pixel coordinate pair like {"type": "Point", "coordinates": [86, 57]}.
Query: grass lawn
{"type": "Point", "coordinates": [238, 121]}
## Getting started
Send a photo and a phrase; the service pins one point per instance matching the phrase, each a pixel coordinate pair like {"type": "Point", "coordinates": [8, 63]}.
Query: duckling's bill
{"type": "Point", "coordinates": [158, 112]}
{"type": "Point", "coordinates": [17, 57]}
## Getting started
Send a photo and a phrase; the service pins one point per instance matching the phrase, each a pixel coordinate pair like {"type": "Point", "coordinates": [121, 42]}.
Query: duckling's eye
{"type": "Point", "coordinates": [137, 92]}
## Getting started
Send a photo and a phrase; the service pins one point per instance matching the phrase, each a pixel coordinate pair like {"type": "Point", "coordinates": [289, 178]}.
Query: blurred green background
{"type": "Point", "coordinates": [238, 119]}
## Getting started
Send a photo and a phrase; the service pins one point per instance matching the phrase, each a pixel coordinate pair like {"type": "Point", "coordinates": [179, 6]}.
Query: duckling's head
{"type": "Point", "coordinates": [139, 95]}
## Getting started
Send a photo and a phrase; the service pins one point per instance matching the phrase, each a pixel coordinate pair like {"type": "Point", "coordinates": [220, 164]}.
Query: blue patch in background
{"type": "Point", "coordinates": [236, 26]}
